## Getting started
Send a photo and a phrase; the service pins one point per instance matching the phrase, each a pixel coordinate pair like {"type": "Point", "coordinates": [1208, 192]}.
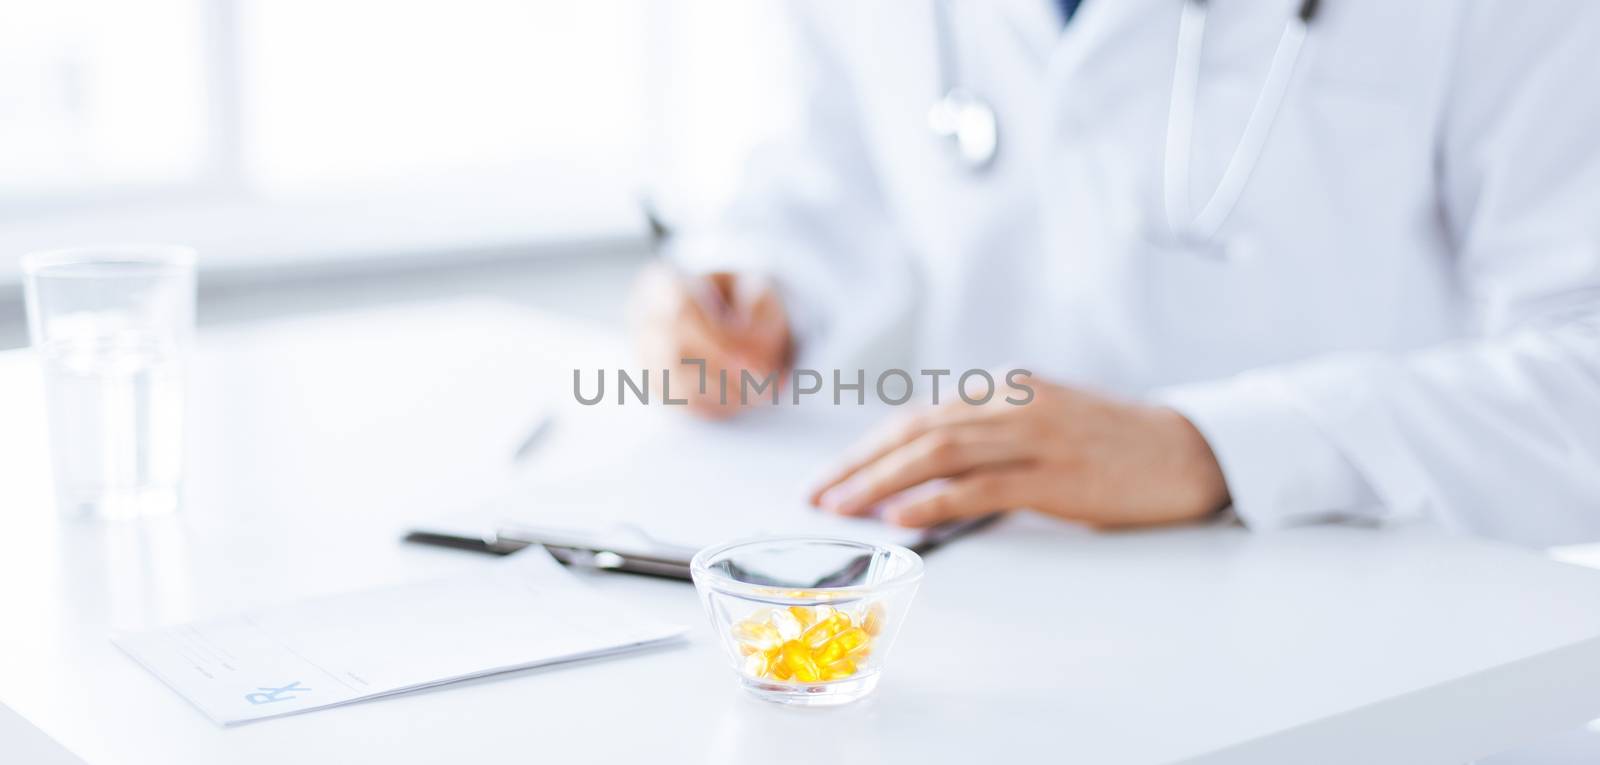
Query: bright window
{"type": "Point", "coordinates": [290, 98]}
{"type": "Point", "coordinates": [101, 97]}
{"type": "Point", "coordinates": [365, 92]}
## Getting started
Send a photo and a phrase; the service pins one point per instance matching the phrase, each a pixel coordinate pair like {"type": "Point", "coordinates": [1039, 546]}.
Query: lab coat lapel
{"type": "Point", "coordinates": [1098, 27]}
{"type": "Point", "coordinates": [1035, 26]}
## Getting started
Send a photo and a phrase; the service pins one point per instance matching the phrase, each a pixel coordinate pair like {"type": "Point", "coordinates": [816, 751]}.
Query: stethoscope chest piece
{"type": "Point", "coordinates": [965, 120]}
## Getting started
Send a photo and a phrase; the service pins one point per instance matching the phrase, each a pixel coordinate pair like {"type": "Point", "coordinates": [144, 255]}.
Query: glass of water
{"type": "Point", "coordinates": [112, 327]}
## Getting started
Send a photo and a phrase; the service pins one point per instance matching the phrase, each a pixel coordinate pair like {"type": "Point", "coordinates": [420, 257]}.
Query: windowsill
{"type": "Point", "coordinates": [250, 239]}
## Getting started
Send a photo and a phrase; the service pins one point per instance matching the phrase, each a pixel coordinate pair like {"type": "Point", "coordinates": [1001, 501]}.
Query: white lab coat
{"type": "Point", "coordinates": [1405, 318]}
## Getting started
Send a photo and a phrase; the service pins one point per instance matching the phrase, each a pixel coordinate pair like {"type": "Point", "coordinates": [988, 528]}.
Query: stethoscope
{"type": "Point", "coordinates": [968, 123]}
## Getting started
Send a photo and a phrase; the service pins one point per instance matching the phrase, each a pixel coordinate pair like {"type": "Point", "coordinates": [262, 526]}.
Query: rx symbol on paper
{"type": "Point", "coordinates": [265, 695]}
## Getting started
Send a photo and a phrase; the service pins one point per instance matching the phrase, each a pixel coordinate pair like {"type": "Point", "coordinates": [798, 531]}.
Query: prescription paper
{"type": "Point", "coordinates": [525, 611]}
{"type": "Point", "coordinates": [617, 473]}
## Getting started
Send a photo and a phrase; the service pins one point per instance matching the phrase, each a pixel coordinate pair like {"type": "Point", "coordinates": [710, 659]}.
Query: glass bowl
{"type": "Point", "coordinates": [807, 620]}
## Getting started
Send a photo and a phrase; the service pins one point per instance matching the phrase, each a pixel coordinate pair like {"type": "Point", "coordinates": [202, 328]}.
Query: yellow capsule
{"type": "Point", "coordinates": [775, 660]}
{"type": "Point", "coordinates": [825, 629]}
{"type": "Point", "coordinates": [844, 644]}
{"type": "Point", "coordinates": [838, 670]}
{"type": "Point", "coordinates": [799, 662]}
{"type": "Point", "coordinates": [776, 668]}
{"type": "Point", "coordinates": [784, 620]}
{"type": "Point", "coordinates": [872, 620]}
{"type": "Point", "coordinates": [757, 634]}
{"type": "Point", "coordinates": [756, 664]}
{"type": "Point", "coordinates": [804, 615]}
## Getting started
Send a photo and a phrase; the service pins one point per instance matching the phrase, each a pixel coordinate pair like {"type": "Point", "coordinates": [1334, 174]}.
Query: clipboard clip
{"type": "Point", "coordinates": [625, 548]}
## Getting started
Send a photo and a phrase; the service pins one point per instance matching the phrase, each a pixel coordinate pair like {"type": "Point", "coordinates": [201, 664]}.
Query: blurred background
{"type": "Point", "coordinates": [348, 152]}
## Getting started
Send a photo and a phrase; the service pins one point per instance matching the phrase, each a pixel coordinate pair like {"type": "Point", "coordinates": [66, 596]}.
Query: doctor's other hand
{"type": "Point", "coordinates": [735, 322]}
{"type": "Point", "coordinates": [1069, 453]}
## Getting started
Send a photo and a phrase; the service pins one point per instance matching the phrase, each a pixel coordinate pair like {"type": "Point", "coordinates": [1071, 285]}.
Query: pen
{"type": "Point", "coordinates": [705, 294]}
{"type": "Point", "coordinates": [535, 435]}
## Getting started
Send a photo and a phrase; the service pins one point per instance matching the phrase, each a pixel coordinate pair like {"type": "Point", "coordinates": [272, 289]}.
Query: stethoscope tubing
{"type": "Point", "coordinates": [1182, 223]}
{"type": "Point", "coordinates": [1203, 227]}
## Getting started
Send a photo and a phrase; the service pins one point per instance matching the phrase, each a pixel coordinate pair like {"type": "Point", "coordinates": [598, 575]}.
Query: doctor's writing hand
{"type": "Point", "coordinates": [1069, 453]}
{"type": "Point", "coordinates": [734, 322]}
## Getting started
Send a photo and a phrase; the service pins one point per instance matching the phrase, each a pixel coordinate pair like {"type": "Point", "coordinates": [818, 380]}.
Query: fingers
{"type": "Point", "coordinates": [874, 447]}
{"type": "Point", "coordinates": [941, 453]}
{"type": "Point", "coordinates": [716, 365]}
{"type": "Point", "coordinates": [896, 435]}
{"type": "Point", "coordinates": [761, 330]}
{"type": "Point", "coordinates": [979, 493]}
{"type": "Point", "coordinates": [679, 318]}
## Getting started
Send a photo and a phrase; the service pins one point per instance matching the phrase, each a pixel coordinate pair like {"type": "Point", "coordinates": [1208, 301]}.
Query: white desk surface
{"type": "Point", "coordinates": [315, 441]}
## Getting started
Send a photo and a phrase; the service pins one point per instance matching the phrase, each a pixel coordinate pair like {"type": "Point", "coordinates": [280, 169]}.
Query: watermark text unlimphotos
{"type": "Point", "coordinates": [891, 386]}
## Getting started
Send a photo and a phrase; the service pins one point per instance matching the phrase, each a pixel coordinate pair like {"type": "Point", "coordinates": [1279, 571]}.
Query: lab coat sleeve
{"type": "Point", "coordinates": [808, 211]}
{"type": "Point", "coordinates": [1497, 434]}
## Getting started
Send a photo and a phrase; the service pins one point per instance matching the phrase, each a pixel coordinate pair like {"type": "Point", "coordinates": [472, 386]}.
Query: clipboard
{"type": "Point", "coordinates": [622, 490]}
{"type": "Point", "coordinates": [637, 556]}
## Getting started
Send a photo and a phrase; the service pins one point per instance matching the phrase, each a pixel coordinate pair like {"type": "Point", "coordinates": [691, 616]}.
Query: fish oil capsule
{"type": "Point", "coordinates": [787, 624]}
{"type": "Point", "coordinates": [799, 662]}
{"type": "Point", "coordinates": [825, 628]}
{"type": "Point", "coordinates": [872, 619]}
{"type": "Point", "coordinates": [757, 664]}
{"type": "Point", "coordinates": [838, 670]}
{"type": "Point", "coordinates": [804, 615]}
{"type": "Point", "coordinates": [847, 642]}
{"type": "Point", "coordinates": [776, 668]}
{"type": "Point", "coordinates": [757, 634]}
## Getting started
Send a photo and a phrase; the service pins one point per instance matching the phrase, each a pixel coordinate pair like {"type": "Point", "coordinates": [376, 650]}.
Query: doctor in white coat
{"type": "Point", "coordinates": [1307, 260]}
